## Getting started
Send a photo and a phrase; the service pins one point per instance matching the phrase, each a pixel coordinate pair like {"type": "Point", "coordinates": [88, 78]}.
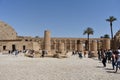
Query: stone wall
{"type": "Point", "coordinates": [11, 41]}
{"type": "Point", "coordinates": [18, 45]}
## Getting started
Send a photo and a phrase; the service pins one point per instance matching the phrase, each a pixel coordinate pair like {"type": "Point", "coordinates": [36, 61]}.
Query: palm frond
{"type": "Point", "coordinates": [88, 31]}
{"type": "Point", "coordinates": [111, 19]}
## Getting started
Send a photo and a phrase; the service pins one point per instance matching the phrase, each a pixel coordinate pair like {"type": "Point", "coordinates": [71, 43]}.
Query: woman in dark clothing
{"type": "Point", "coordinates": [113, 59]}
{"type": "Point", "coordinates": [103, 58]}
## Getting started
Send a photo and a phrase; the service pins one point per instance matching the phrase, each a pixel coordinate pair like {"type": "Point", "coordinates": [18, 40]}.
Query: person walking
{"type": "Point", "coordinates": [80, 54]}
{"type": "Point", "coordinates": [118, 60]}
{"type": "Point", "coordinates": [43, 53]}
{"type": "Point", "coordinates": [114, 59]}
{"type": "Point", "coordinates": [99, 55]}
{"type": "Point", "coordinates": [103, 58]}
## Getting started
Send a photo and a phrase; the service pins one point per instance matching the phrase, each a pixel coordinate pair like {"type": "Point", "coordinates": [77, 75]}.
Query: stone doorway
{"type": "Point", "coordinates": [13, 47]}
{"type": "Point", "coordinates": [4, 47]}
{"type": "Point", "coordinates": [24, 47]}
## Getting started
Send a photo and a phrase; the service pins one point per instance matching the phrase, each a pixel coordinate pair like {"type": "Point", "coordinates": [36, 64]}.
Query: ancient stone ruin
{"type": "Point", "coordinates": [9, 40]}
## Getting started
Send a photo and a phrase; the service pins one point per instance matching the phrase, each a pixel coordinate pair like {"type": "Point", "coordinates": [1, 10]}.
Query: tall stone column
{"type": "Point", "coordinates": [65, 45]}
{"type": "Point", "coordinates": [99, 45]}
{"type": "Point", "coordinates": [70, 45]}
{"type": "Point", "coordinates": [75, 45]}
{"type": "Point", "coordinates": [54, 44]}
{"type": "Point", "coordinates": [94, 45]}
{"type": "Point", "coordinates": [61, 47]}
{"type": "Point", "coordinates": [94, 48]}
{"type": "Point", "coordinates": [90, 46]}
{"type": "Point", "coordinates": [80, 46]}
{"type": "Point", "coordinates": [106, 43]}
{"type": "Point", "coordinates": [47, 43]}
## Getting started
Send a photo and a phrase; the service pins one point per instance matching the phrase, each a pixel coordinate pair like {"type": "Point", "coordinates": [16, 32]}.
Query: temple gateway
{"type": "Point", "coordinates": [9, 40]}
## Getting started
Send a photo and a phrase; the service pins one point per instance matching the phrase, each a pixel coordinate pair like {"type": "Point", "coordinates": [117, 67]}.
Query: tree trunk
{"type": "Point", "coordinates": [88, 44]}
{"type": "Point", "coordinates": [112, 47]}
{"type": "Point", "coordinates": [111, 30]}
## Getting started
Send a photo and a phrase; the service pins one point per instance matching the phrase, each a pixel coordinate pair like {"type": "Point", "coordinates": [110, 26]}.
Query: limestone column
{"type": "Point", "coordinates": [70, 44]}
{"type": "Point", "coordinates": [99, 45]}
{"type": "Point", "coordinates": [65, 45]}
{"type": "Point", "coordinates": [54, 44]}
{"type": "Point", "coordinates": [47, 43]}
{"type": "Point", "coordinates": [90, 45]}
{"type": "Point", "coordinates": [80, 46]}
{"type": "Point", "coordinates": [61, 47]}
{"type": "Point", "coordinates": [39, 45]}
{"type": "Point", "coordinates": [94, 47]}
{"type": "Point", "coordinates": [106, 44]}
{"type": "Point", "coordinates": [75, 45]}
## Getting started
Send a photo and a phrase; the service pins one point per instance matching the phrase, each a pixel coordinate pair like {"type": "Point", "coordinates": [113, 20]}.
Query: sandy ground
{"type": "Point", "coordinates": [72, 68]}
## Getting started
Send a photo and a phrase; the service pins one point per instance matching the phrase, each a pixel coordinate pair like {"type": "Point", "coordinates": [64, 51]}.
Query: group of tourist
{"type": "Point", "coordinates": [14, 52]}
{"type": "Point", "coordinates": [44, 52]}
{"type": "Point", "coordinates": [110, 56]}
{"type": "Point", "coordinates": [77, 52]}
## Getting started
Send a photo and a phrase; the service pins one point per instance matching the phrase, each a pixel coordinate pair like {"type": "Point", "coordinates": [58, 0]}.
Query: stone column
{"type": "Point", "coordinates": [65, 45]}
{"type": "Point", "coordinates": [75, 45]}
{"type": "Point", "coordinates": [40, 45]}
{"type": "Point", "coordinates": [94, 48]}
{"type": "Point", "coordinates": [47, 43]}
{"type": "Point", "coordinates": [61, 47]}
{"type": "Point", "coordinates": [94, 45]}
{"type": "Point", "coordinates": [99, 45]}
{"type": "Point", "coordinates": [90, 46]}
{"type": "Point", "coordinates": [54, 44]}
{"type": "Point", "coordinates": [80, 46]}
{"type": "Point", "coordinates": [70, 45]}
{"type": "Point", "coordinates": [106, 43]}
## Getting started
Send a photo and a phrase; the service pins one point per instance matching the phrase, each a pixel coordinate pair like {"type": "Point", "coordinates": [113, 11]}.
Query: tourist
{"type": "Point", "coordinates": [114, 59]}
{"type": "Point", "coordinates": [109, 55]}
{"type": "Point", "coordinates": [73, 52]}
{"type": "Point", "coordinates": [118, 60]}
{"type": "Point", "coordinates": [106, 54]}
{"type": "Point", "coordinates": [16, 52]}
{"type": "Point", "coordinates": [103, 58]}
{"type": "Point", "coordinates": [80, 54]}
{"type": "Point", "coordinates": [89, 54]}
{"type": "Point", "coordinates": [9, 52]}
{"type": "Point", "coordinates": [85, 53]}
{"type": "Point", "coordinates": [43, 53]}
{"type": "Point", "coordinates": [99, 55]}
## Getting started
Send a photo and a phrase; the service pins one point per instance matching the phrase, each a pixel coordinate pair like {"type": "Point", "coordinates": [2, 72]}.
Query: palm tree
{"type": "Point", "coordinates": [88, 31]}
{"type": "Point", "coordinates": [106, 36]}
{"type": "Point", "coordinates": [111, 19]}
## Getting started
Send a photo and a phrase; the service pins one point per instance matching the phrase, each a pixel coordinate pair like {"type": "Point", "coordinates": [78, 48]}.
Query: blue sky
{"type": "Point", "coordinates": [64, 18]}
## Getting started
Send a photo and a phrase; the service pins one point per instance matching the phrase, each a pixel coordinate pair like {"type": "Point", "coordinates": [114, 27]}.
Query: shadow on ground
{"type": "Point", "coordinates": [99, 67]}
{"type": "Point", "coordinates": [108, 69]}
{"type": "Point", "coordinates": [113, 72]}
